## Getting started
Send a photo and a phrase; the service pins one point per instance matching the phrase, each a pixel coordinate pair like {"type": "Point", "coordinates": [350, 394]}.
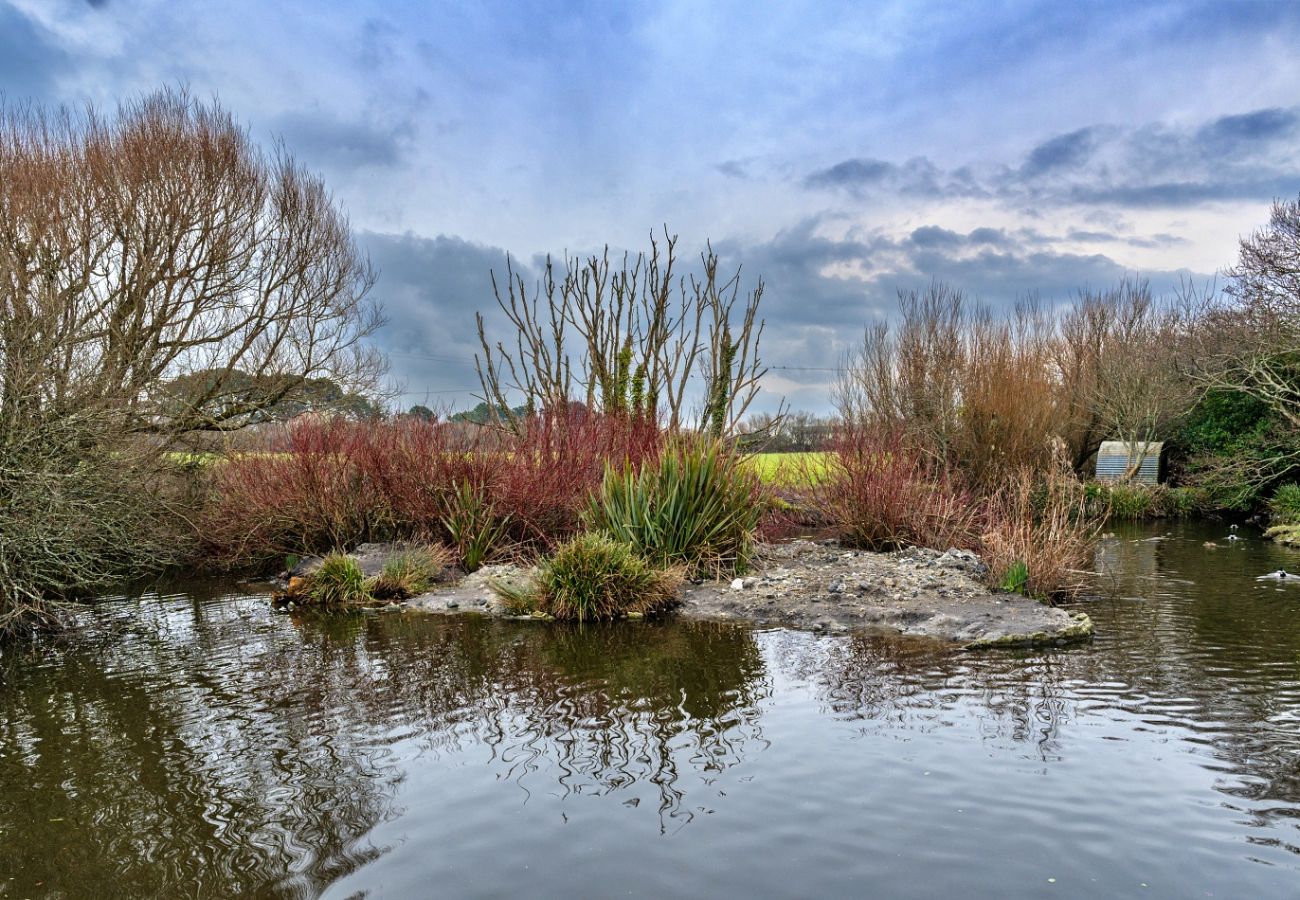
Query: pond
{"type": "Point", "coordinates": [193, 743]}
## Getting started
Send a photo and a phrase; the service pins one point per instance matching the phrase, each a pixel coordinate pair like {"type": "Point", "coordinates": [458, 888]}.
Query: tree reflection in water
{"type": "Point", "coordinates": [197, 740]}
{"type": "Point", "coordinates": [187, 742]}
{"type": "Point", "coordinates": [608, 706]}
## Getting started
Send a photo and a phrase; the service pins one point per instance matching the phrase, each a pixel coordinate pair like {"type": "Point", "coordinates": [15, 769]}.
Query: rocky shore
{"type": "Point", "coordinates": [823, 587]}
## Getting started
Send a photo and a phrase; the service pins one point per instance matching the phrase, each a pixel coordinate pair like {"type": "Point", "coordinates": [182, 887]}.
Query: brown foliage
{"type": "Point", "coordinates": [990, 398]}
{"type": "Point", "coordinates": [158, 265]}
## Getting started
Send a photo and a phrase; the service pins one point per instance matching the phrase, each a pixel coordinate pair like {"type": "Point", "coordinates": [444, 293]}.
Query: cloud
{"type": "Point", "coordinates": [1247, 156]}
{"type": "Point", "coordinates": [322, 138]}
{"type": "Point", "coordinates": [1065, 151]}
{"type": "Point", "coordinates": [734, 168]}
{"type": "Point", "coordinates": [30, 59]}
{"type": "Point", "coordinates": [430, 289]}
{"type": "Point", "coordinates": [852, 173]}
{"type": "Point", "coordinates": [824, 281]}
{"type": "Point", "coordinates": [1263, 126]}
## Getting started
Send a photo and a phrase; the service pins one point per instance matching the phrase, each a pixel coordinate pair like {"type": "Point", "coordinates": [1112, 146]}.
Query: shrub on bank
{"type": "Point", "coordinates": [1284, 505]}
{"type": "Point", "coordinates": [409, 573]}
{"type": "Point", "coordinates": [338, 582]}
{"type": "Point", "coordinates": [1035, 531]}
{"type": "Point", "coordinates": [882, 494]}
{"type": "Point", "coordinates": [1039, 535]}
{"type": "Point", "coordinates": [698, 506]}
{"type": "Point", "coordinates": [331, 484]}
{"type": "Point", "coordinates": [1122, 501]}
{"type": "Point", "coordinates": [79, 509]}
{"type": "Point", "coordinates": [594, 577]}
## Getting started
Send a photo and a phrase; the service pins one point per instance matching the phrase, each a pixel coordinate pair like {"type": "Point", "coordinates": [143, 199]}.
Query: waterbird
{"type": "Point", "coordinates": [1232, 537]}
{"type": "Point", "coordinates": [1232, 527]}
{"type": "Point", "coordinates": [1279, 575]}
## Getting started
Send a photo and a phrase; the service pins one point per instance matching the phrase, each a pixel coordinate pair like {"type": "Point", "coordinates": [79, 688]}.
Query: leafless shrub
{"type": "Point", "coordinates": [159, 265]}
{"type": "Point", "coordinates": [632, 338]}
{"type": "Point", "coordinates": [159, 275]}
{"type": "Point", "coordinates": [991, 397]}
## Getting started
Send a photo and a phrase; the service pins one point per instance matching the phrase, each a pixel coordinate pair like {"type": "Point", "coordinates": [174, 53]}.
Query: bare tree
{"type": "Point", "coordinates": [1247, 342]}
{"type": "Point", "coordinates": [636, 338]}
{"type": "Point", "coordinates": [159, 276]}
{"type": "Point", "coordinates": [1138, 384]}
{"type": "Point", "coordinates": [158, 264]}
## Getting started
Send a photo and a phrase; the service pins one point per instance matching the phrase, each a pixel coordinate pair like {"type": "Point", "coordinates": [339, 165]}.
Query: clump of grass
{"type": "Point", "coordinates": [409, 573]}
{"type": "Point", "coordinates": [1131, 501]}
{"type": "Point", "coordinates": [477, 532]}
{"type": "Point", "coordinates": [1184, 501]}
{"type": "Point", "coordinates": [1016, 579]}
{"type": "Point", "coordinates": [594, 577]}
{"type": "Point", "coordinates": [697, 506]}
{"type": "Point", "coordinates": [516, 600]}
{"type": "Point", "coordinates": [1040, 534]}
{"type": "Point", "coordinates": [338, 582]}
{"type": "Point", "coordinates": [1284, 505]}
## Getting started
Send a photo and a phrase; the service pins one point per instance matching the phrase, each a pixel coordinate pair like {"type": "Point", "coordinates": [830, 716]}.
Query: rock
{"type": "Point", "coordinates": [912, 592]}
{"type": "Point", "coordinates": [806, 584]}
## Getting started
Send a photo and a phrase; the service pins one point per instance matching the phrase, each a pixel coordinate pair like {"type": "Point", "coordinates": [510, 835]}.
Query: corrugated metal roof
{"type": "Point", "coordinates": [1115, 459]}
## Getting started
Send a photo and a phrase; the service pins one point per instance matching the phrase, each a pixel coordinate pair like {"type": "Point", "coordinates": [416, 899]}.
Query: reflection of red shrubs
{"type": "Point", "coordinates": [334, 483]}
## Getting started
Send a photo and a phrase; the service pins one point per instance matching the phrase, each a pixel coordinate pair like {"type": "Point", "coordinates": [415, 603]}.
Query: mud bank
{"type": "Point", "coordinates": [823, 587]}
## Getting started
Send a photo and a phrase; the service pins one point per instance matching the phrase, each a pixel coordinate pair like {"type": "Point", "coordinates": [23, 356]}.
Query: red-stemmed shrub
{"type": "Point", "coordinates": [557, 462]}
{"type": "Point", "coordinates": [330, 484]}
{"type": "Point", "coordinates": [881, 493]}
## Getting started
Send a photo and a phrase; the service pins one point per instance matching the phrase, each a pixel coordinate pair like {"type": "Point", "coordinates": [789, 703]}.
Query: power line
{"type": "Point", "coordinates": [468, 359]}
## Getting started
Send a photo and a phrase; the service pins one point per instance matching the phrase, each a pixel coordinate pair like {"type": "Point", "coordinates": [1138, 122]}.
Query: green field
{"type": "Point", "coordinates": [775, 469]}
{"type": "Point", "coordinates": [790, 469]}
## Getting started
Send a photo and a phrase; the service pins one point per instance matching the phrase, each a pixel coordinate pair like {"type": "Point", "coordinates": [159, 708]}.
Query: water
{"type": "Point", "coordinates": [194, 744]}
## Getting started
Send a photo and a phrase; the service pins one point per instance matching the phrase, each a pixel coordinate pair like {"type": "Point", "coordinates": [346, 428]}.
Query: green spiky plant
{"type": "Point", "coordinates": [697, 506]}
{"type": "Point", "coordinates": [476, 531]}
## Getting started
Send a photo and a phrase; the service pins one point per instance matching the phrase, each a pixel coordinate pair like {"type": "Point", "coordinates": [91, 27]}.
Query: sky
{"type": "Point", "coordinates": [840, 151]}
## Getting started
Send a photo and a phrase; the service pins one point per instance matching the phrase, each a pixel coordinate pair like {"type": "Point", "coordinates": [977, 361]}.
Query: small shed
{"type": "Point", "coordinates": [1142, 462]}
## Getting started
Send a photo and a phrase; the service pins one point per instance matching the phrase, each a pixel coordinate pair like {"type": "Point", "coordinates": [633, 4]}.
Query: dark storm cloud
{"type": "Point", "coordinates": [430, 289]}
{"type": "Point", "coordinates": [1250, 156]}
